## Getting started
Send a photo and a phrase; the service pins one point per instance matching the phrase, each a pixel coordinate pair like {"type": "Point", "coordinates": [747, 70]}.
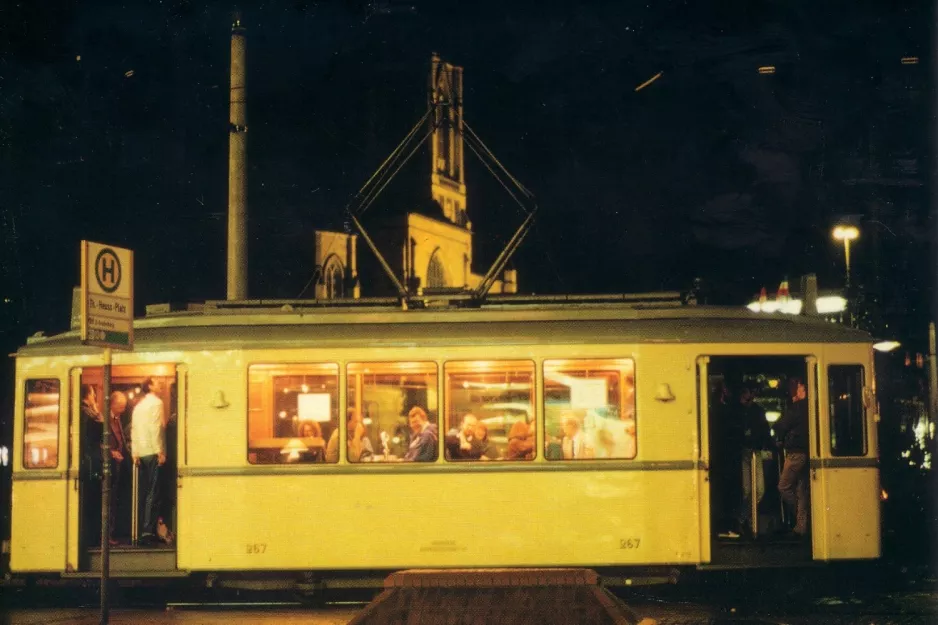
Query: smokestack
{"type": "Point", "coordinates": [237, 167]}
{"type": "Point", "coordinates": [809, 294]}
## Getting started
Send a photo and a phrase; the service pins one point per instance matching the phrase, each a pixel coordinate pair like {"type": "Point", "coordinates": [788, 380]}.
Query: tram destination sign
{"type": "Point", "coordinates": [107, 296]}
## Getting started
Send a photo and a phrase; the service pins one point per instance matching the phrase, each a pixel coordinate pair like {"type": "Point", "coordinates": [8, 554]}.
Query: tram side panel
{"type": "Point", "coordinates": [38, 537]}
{"type": "Point", "coordinates": [213, 442]}
{"type": "Point", "coordinates": [234, 515]}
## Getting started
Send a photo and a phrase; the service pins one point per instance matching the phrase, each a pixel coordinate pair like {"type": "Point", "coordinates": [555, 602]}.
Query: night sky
{"type": "Point", "coordinates": [113, 128]}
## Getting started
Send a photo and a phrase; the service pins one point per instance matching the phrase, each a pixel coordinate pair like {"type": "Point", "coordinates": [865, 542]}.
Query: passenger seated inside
{"type": "Point", "coordinates": [520, 441]}
{"type": "Point", "coordinates": [359, 446]}
{"type": "Point", "coordinates": [574, 444]}
{"type": "Point", "coordinates": [311, 453]}
{"type": "Point", "coordinates": [423, 439]}
{"type": "Point", "coordinates": [459, 441]}
{"type": "Point", "coordinates": [481, 448]}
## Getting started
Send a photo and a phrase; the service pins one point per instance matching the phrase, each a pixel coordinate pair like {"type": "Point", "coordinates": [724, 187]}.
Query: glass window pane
{"type": "Point", "coordinates": [292, 410]}
{"type": "Point", "coordinates": [847, 413]}
{"type": "Point", "coordinates": [490, 410]}
{"type": "Point", "coordinates": [589, 409]}
{"type": "Point", "coordinates": [41, 436]}
{"type": "Point", "coordinates": [397, 404]}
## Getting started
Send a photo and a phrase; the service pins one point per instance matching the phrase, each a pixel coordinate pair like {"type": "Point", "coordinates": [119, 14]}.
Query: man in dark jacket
{"type": "Point", "coordinates": [792, 431]}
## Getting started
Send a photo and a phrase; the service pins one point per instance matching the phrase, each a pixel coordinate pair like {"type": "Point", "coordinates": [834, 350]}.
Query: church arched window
{"type": "Point", "coordinates": [435, 274]}
{"type": "Point", "coordinates": [334, 277]}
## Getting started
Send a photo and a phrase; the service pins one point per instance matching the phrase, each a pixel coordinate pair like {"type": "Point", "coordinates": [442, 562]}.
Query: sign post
{"type": "Point", "coordinates": [107, 320]}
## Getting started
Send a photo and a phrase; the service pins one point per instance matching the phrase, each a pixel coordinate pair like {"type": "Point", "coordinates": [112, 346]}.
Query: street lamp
{"type": "Point", "coordinates": [846, 234]}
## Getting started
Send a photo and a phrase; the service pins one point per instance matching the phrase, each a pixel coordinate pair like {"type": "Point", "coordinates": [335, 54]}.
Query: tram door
{"type": "Point", "coordinates": [846, 470]}
{"type": "Point", "coordinates": [151, 391]}
{"type": "Point", "coordinates": [750, 522]}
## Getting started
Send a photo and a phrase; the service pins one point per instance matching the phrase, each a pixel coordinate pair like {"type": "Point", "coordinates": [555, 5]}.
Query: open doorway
{"type": "Point", "coordinates": [750, 512]}
{"type": "Point", "coordinates": [143, 441]}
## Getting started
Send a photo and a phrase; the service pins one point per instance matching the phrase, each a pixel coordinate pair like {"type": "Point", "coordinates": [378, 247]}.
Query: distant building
{"type": "Point", "coordinates": [427, 248]}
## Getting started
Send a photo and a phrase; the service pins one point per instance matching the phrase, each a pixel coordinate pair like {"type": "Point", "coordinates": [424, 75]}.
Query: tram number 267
{"type": "Point", "coordinates": [253, 548]}
{"type": "Point", "coordinates": [629, 543]}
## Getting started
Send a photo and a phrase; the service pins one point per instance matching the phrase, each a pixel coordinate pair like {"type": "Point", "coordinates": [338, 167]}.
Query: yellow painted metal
{"type": "Point", "coordinates": [183, 502]}
{"type": "Point", "coordinates": [442, 519]}
{"type": "Point", "coordinates": [852, 520]}
{"type": "Point", "coordinates": [37, 532]}
{"type": "Point", "coordinates": [72, 492]}
{"type": "Point", "coordinates": [818, 431]}
{"type": "Point", "coordinates": [438, 514]}
{"type": "Point", "coordinates": [702, 456]}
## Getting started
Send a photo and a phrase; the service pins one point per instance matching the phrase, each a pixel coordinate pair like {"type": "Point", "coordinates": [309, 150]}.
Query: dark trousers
{"type": "Point", "coordinates": [150, 492]}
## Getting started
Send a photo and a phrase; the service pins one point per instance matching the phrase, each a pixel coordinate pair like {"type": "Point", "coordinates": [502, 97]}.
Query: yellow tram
{"type": "Point", "coordinates": [598, 415]}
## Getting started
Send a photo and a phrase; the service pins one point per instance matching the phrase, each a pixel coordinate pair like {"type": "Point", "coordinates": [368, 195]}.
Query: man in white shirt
{"type": "Point", "coordinates": [148, 441]}
{"type": "Point", "coordinates": [574, 440]}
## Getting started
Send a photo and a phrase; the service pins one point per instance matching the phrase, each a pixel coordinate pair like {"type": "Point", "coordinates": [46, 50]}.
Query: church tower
{"type": "Point", "coordinates": [448, 177]}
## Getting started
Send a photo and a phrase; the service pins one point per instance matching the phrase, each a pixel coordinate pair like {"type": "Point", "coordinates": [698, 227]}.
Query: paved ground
{"type": "Point", "coordinates": [910, 609]}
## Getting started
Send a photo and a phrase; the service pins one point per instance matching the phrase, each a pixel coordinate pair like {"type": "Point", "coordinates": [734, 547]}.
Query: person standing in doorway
{"type": "Point", "coordinates": [148, 441]}
{"type": "Point", "coordinates": [118, 450]}
{"type": "Point", "coordinates": [792, 433]}
{"type": "Point", "coordinates": [757, 437]}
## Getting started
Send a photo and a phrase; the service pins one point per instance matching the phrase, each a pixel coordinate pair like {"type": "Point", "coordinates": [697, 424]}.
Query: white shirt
{"type": "Point", "coordinates": [146, 427]}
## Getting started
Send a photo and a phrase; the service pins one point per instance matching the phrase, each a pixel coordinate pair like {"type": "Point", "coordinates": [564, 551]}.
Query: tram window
{"type": "Point", "coordinates": [589, 409]}
{"type": "Point", "coordinates": [489, 410]}
{"type": "Point", "coordinates": [397, 403]}
{"type": "Point", "coordinates": [847, 414]}
{"type": "Point", "coordinates": [41, 435]}
{"type": "Point", "coordinates": [292, 410]}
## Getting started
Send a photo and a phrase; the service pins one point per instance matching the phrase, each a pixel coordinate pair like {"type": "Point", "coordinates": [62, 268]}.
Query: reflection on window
{"type": "Point", "coordinates": [292, 410]}
{"type": "Point", "coordinates": [41, 440]}
{"type": "Point", "coordinates": [589, 408]}
{"type": "Point", "coordinates": [398, 408]}
{"type": "Point", "coordinates": [490, 410]}
{"type": "Point", "coordinates": [847, 414]}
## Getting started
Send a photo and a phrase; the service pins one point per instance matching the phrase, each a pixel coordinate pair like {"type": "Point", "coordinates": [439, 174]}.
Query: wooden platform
{"type": "Point", "coordinates": [505, 596]}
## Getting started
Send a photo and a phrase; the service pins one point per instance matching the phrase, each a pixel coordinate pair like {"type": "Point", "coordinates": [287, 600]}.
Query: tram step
{"type": "Point", "coordinates": [135, 560]}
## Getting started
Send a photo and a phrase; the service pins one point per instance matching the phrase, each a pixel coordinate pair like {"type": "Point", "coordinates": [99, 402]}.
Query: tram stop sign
{"type": "Point", "coordinates": [107, 296]}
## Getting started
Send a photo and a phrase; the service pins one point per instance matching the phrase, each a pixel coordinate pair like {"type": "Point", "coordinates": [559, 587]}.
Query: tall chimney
{"type": "Point", "coordinates": [237, 167]}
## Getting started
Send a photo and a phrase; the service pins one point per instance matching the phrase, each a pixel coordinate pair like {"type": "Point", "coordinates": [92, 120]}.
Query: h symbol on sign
{"type": "Point", "coordinates": [108, 268]}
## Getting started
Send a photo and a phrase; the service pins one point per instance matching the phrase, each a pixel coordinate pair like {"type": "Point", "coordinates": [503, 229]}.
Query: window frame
{"type": "Point", "coordinates": [285, 366]}
{"type": "Point", "coordinates": [25, 462]}
{"type": "Point", "coordinates": [611, 359]}
{"type": "Point", "coordinates": [376, 445]}
{"type": "Point", "coordinates": [863, 412]}
{"type": "Point", "coordinates": [444, 410]}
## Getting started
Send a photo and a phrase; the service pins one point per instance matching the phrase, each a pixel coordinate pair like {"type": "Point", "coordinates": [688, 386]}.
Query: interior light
{"type": "Point", "coordinates": [829, 304]}
{"type": "Point", "coordinates": [283, 414]}
{"type": "Point", "coordinates": [886, 346]}
{"type": "Point", "coordinates": [772, 415]}
{"type": "Point", "coordinates": [773, 383]}
{"type": "Point", "coordinates": [305, 388]}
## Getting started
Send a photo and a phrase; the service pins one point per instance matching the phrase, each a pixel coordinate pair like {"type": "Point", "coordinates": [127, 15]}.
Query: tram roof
{"type": "Point", "coordinates": [518, 320]}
